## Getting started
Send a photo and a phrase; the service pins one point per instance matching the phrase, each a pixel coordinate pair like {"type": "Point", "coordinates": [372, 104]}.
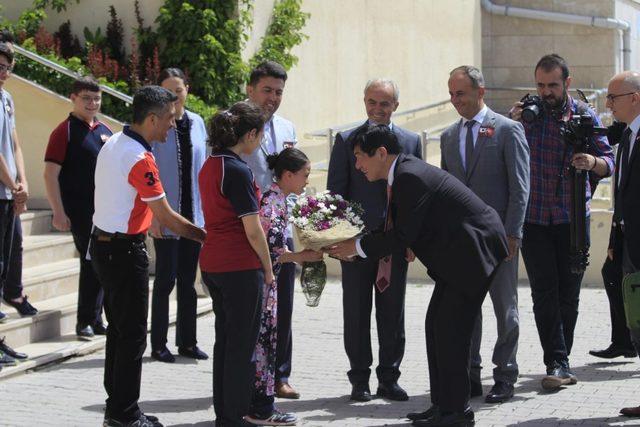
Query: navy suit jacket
{"type": "Point", "coordinates": [344, 179]}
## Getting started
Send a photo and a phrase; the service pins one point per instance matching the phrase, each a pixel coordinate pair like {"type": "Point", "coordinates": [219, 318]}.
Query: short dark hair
{"type": "Point", "coordinates": [228, 126]}
{"type": "Point", "coordinates": [552, 61]}
{"type": "Point", "coordinates": [374, 137]}
{"type": "Point", "coordinates": [290, 159]}
{"type": "Point", "coordinates": [150, 100]}
{"type": "Point", "coordinates": [87, 83]}
{"type": "Point", "coordinates": [6, 36]}
{"type": "Point", "coordinates": [167, 73]}
{"type": "Point", "coordinates": [267, 69]}
{"type": "Point", "coordinates": [6, 52]}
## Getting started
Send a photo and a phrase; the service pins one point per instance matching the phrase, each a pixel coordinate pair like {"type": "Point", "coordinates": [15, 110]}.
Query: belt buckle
{"type": "Point", "coordinates": [103, 238]}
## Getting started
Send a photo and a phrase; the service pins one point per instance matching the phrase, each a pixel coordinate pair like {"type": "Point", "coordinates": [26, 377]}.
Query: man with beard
{"type": "Point", "coordinates": [555, 289]}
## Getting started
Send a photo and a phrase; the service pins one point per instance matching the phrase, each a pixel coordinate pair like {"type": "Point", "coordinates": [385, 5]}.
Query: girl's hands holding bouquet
{"type": "Point", "coordinates": [308, 255]}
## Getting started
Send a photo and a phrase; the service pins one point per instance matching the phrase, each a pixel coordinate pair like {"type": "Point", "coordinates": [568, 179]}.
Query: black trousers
{"type": "Point", "coordinates": [176, 263]}
{"type": "Point", "coordinates": [13, 285]}
{"type": "Point", "coordinates": [612, 278]}
{"type": "Point", "coordinates": [284, 347]}
{"type": "Point", "coordinates": [237, 304]}
{"type": "Point", "coordinates": [449, 324]}
{"type": "Point", "coordinates": [358, 285]}
{"type": "Point", "coordinates": [7, 219]}
{"type": "Point", "coordinates": [122, 267]}
{"type": "Point", "coordinates": [554, 288]}
{"type": "Point", "coordinates": [90, 293]}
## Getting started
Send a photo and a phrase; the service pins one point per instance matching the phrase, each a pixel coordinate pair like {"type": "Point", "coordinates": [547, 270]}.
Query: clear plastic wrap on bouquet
{"type": "Point", "coordinates": [322, 221]}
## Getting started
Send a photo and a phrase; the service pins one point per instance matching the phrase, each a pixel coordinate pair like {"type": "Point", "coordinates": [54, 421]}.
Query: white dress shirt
{"type": "Point", "coordinates": [479, 118]}
{"type": "Point", "coordinates": [389, 183]}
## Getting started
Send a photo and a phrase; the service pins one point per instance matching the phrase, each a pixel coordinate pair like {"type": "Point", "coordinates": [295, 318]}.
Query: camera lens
{"type": "Point", "coordinates": [530, 113]}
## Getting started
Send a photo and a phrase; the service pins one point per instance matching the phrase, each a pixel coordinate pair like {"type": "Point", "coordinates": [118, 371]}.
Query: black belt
{"type": "Point", "coordinates": [105, 236]}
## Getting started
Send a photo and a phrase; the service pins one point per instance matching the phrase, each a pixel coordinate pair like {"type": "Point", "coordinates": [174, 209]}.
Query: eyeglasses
{"type": "Point", "coordinates": [87, 99]}
{"type": "Point", "coordinates": [612, 98]}
{"type": "Point", "coordinates": [7, 68]}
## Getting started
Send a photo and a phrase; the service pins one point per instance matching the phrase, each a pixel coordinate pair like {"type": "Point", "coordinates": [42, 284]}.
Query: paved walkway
{"type": "Point", "coordinates": [71, 393]}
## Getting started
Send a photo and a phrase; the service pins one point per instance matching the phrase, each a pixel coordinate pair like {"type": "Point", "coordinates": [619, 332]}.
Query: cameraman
{"type": "Point", "coordinates": [555, 289]}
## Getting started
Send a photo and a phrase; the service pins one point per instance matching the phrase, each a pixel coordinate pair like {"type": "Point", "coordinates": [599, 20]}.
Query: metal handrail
{"type": "Point", "coordinates": [325, 132]}
{"type": "Point", "coordinates": [67, 72]}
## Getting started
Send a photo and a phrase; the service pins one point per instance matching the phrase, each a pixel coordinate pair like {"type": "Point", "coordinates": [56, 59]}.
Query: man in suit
{"type": "Point", "coordinates": [623, 99]}
{"type": "Point", "coordinates": [265, 89]}
{"type": "Point", "coordinates": [457, 237]}
{"type": "Point", "coordinates": [359, 279]}
{"type": "Point", "coordinates": [489, 154]}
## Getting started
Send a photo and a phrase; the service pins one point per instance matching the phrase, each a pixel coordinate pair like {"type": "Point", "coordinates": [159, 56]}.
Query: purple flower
{"type": "Point", "coordinates": [312, 202]}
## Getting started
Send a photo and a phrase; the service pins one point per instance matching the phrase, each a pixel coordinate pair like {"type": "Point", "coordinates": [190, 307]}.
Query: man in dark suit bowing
{"type": "Point", "coordinates": [623, 99]}
{"type": "Point", "coordinates": [360, 280]}
{"type": "Point", "coordinates": [457, 237]}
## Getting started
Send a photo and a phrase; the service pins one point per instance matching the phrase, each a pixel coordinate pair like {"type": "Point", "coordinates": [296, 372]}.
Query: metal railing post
{"type": "Point", "coordinates": [425, 141]}
{"type": "Point", "coordinates": [330, 139]}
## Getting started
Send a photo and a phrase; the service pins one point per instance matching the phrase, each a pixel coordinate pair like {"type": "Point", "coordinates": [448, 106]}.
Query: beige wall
{"type": "Point", "coordinates": [352, 41]}
{"type": "Point", "coordinates": [512, 46]}
{"type": "Point", "coordinates": [38, 112]}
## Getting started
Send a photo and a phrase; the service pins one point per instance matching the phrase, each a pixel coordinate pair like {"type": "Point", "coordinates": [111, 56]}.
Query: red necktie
{"type": "Point", "coordinates": [383, 279]}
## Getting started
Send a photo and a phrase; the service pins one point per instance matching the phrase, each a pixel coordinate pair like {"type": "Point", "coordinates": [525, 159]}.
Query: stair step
{"type": "Point", "coordinates": [67, 345]}
{"type": "Point", "coordinates": [36, 222]}
{"type": "Point", "coordinates": [52, 279]}
{"type": "Point", "coordinates": [44, 248]}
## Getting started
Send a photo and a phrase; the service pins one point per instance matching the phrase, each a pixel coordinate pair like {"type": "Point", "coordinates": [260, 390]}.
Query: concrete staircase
{"type": "Point", "coordinates": [50, 279]}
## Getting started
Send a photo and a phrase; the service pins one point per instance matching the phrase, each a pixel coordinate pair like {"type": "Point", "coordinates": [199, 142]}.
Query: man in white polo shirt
{"type": "Point", "coordinates": [128, 193]}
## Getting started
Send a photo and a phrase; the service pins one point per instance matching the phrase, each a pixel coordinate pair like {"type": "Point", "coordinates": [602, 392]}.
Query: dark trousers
{"type": "Point", "coordinates": [176, 263]}
{"type": "Point", "coordinates": [237, 304]}
{"type": "Point", "coordinates": [7, 219]}
{"type": "Point", "coordinates": [13, 285]}
{"type": "Point", "coordinates": [284, 347]}
{"type": "Point", "coordinates": [612, 278]}
{"type": "Point", "coordinates": [90, 293]}
{"type": "Point", "coordinates": [554, 288]}
{"type": "Point", "coordinates": [358, 285]}
{"type": "Point", "coordinates": [628, 267]}
{"type": "Point", "coordinates": [449, 324]}
{"type": "Point", "coordinates": [122, 267]}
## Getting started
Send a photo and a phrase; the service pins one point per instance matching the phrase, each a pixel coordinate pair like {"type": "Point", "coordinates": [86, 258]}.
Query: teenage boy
{"type": "Point", "coordinates": [70, 164]}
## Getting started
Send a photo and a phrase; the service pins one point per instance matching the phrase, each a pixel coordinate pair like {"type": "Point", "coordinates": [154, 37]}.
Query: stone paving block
{"type": "Point", "coordinates": [71, 393]}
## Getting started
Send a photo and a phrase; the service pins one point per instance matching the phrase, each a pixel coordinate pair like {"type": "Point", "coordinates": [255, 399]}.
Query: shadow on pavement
{"type": "Point", "coordinates": [598, 421]}
{"type": "Point", "coordinates": [341, 408]}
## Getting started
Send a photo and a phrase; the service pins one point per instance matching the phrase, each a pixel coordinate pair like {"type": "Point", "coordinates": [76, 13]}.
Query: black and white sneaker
{"type": "Point", "coordinates": [275, 418]}
{"type": "Point", "coordinates": [142, 421]}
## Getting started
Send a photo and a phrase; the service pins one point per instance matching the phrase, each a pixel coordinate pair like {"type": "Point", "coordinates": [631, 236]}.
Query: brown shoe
{"type": "Point", "coordinates": [285, 391]}
{"type": "Point", "coordinates": [631, 412]}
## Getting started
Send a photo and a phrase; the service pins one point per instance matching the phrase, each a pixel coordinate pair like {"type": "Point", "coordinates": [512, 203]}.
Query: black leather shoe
{"type": "Point", "coordinates": [6, 360]}
{"type": "Point", "coordinates": [500, 392]}
{"type": "Point", "coordinates": [193, 353]}
{"type": "Point", "coordinates": [23, 307]}
{"type": "Point", "coordinates": [612, 352]}
{"type": "Point", "coordinates": [476, 389]}
{"type": "Point", "coordinates": [4, 348]}
{"type": "Point", "coordinates": [457, 419]}
{"type": "Point", "coordinates": [85, 332]}
{"type": "Point", "coordinates": [558, 375]}
{"type": "Point", "coordinates": [163, 355]}
{"type": "Point", "coordinates": [425, 415]}
{"type": "Point", "coordinates": [99, 329]}
{"type": "Point", "coordinates": [392, 391]}
{"type": "Point", "coordinates": [360, 393]}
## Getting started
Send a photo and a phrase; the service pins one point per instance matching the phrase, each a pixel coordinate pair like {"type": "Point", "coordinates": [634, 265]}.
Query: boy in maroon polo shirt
{"type": "Point", "coordinates": [70, 163]}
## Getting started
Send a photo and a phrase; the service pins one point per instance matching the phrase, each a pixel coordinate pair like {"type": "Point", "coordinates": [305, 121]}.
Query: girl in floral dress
{"type": "Point", "coordinates": [291, 171]}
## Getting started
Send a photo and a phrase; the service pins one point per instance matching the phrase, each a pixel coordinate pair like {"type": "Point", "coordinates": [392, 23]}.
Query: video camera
{"type": "Point", "coordinates": [579, 129]}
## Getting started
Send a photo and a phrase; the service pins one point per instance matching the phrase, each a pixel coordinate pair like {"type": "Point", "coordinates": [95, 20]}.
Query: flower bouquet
{"type": "Point", "coordinates": [320, 221]}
